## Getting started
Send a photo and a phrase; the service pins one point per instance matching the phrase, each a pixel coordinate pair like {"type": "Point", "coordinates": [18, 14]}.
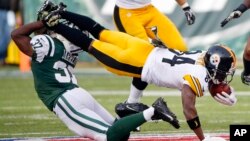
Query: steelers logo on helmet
{"type": "Point", "coordinates": [215, 60]}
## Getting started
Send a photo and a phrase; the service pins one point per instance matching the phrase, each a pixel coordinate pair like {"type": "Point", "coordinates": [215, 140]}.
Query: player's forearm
{"type": "Point", "coordinates": [194, 123]}
{"type": "Point", "coordinates": [244, 6]}
{"type": "Point", "coordinates": [21, 36]}
{"type": "Point", "coordinates": [73, 35]}
{"type": "Point", "coordinates": [199, 133]}
{"type": "Point", "coordinates": [28, 29]}
{"type": "Point", "coordinates": [247, 3]}
{"type": "Point", "coordinates": [190, 112]}
{"type": "Point", "coordinates": [188, 103]}
{"type": "Point", "coordinates": [84, 23]}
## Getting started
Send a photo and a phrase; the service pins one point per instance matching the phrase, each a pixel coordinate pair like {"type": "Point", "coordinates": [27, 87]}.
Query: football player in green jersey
{"type": "Point", "coordinates": [52, 61]}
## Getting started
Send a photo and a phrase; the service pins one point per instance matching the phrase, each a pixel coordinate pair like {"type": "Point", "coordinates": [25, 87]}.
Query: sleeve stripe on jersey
{"type": "Point", "coordinates": [198, 85]}
{"type": "Point", "coordinates": [194, 84]}
{"type": "Point", "coordinates": [52, 46]}
{"type": "Point", "coordinates": [76, 50]}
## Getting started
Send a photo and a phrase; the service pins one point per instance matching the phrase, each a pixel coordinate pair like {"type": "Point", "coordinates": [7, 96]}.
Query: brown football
{"type": "Point", "coordinates": [218, 88]}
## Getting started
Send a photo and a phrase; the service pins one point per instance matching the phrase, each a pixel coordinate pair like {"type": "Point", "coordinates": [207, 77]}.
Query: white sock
{"type": "Point", "coordinates": [148, 113]}
{"type": "Point", "coordinates": [135, 95]}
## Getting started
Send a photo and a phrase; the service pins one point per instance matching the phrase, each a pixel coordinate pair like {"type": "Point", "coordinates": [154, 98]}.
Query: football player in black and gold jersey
{"type": "Point", "coordinates": [126, 55]}
{"type": "Point", "coordinates": [137, 17]}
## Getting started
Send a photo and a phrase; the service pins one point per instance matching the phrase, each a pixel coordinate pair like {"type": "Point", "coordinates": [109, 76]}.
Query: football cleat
{"type": "Point", "coordinates": [163, 112]}
{"type": "Point", "coordinates": [125, 109]}
{"type": "Point", "coordinates": [245, 79]}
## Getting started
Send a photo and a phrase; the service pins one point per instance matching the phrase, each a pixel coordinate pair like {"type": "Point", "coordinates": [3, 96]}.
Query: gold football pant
{"type": "Point", "coordinates": [137, 22]}
{"type": "Point", "coordinates": [121, 53]}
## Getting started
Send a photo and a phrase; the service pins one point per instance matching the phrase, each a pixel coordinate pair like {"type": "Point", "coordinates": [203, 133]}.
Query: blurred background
{"type": "Point", "coordinates": [205, 31]}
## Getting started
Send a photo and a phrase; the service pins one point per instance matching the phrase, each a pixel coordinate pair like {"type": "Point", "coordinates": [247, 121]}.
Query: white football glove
{"type": "Point", "coordinates": [225, 98]}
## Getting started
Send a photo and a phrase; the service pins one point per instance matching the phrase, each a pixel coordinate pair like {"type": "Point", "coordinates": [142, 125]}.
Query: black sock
{"type": "Point", "coordinates": [75, 36]}
{"type": "Point", "coordinates": [246, 66]}
{"type": "Point", "coordinates": [84, 23]}
{"type": "Point", "coordinates": [139, 84]}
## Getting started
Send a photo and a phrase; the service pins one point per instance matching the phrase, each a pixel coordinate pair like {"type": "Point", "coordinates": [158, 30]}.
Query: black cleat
{"type": "Point", "coordinates": [245, 79]}
{"type": "Point", "coordinates": [126, 109]}
{"type": "Point", "coordinates": [163, 112]}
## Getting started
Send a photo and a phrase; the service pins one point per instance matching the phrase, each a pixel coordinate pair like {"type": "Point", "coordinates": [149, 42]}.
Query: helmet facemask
{"type": "Point", "coordinates": [219, 76]}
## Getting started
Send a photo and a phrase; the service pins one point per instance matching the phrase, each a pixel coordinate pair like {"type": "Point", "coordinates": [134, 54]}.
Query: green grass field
{"type": "Point", "coordinates": [22, 114]}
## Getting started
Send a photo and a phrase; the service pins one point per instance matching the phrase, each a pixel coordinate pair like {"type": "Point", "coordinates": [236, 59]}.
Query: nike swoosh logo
{"type": "Point", "coordinates": [127, 106]}
{"type": "Point", "coordinates": [170, 117]}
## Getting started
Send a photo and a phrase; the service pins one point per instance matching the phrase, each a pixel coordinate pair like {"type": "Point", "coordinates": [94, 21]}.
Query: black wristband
{"type": "Point", "coordinates": [187, 8]}
{"type": "Point", "coordinates": [194, 123]}
{"type": "Point", "coordinates": [242, 8]}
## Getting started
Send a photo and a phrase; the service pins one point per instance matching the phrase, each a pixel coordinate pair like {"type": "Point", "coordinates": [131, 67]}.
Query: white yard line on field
{"type": "Point", "coordinates": [152, 93]}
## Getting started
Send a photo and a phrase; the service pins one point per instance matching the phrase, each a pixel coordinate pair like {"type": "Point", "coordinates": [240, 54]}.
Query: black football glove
{"type": "Point", "coordinates": [235, 14]}
{"type": "Point", "coordinates": [190, 16]}
{"type": "Point", "coordinates": [52, 19]}
{"type": "Point", "coordinates": [44, 10]}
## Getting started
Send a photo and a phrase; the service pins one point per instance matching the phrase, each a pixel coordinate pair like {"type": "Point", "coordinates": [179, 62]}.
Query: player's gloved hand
{"type": "Point", "coordinates": [47, 7]}
{"type": "Point", "coordinates": [52, 19]}
{"type": "Point", "coordinates": [225, 98]}
{"type": "Point", "coordinates": [235, 14]}
{"type": "Point", "coordinates": [190, 16]}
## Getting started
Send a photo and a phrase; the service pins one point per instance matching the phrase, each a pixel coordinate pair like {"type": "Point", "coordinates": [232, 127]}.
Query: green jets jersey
{"type": "Point", "coordinates": [52, 67]}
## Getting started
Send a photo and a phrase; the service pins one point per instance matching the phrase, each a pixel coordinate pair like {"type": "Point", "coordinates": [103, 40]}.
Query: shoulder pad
{"type": "Point", "coordinates": [43, 45]}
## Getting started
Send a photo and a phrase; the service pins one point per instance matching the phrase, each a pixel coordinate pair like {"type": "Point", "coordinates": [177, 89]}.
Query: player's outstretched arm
{"type": "Point", "coordinates": [21, 36]}
{"type": "Point", "coordinates": [188, 103]}
{"type": "Point", "coordinates": [190, 15]}
{"type": "Point", "coordinates": [237, 12]}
